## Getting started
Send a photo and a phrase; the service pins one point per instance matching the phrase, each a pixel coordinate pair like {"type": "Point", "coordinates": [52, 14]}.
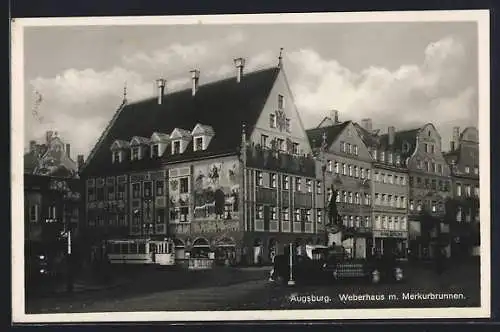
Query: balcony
{"type": "Point", "coordinates": [280, 161]}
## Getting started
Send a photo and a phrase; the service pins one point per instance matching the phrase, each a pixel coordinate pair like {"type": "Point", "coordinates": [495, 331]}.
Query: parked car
{"type": "Point", "coordinates": [334, 265]}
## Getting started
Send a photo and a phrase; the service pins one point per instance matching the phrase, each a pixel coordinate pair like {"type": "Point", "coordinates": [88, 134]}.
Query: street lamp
{"type": "Point", "coordinates": [291, 282]}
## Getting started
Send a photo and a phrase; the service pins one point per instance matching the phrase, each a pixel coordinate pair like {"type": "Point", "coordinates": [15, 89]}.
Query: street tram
{"type": "Point", "coordinates": [141, 251]}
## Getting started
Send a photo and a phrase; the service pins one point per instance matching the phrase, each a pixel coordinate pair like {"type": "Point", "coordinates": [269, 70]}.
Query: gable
{"type": "Point", "coordinates": [180, 134]}
{"type": "Point", "coordinates": [326, 122]}
{"type": "Point", "coordinates": [160, 138]}
{"type": "Point", "coordinates": [136, 140]}
{"type": "Point", "coordinates": [119, 144]}
{"type": "Point", "coordinates": [350, 135]}
{"type": "Point", "coordinates": [470, 134]}
{"type": "Point", "coordinates": [200, 129]}
{"type": "Point", "coordinates": [288, 112]}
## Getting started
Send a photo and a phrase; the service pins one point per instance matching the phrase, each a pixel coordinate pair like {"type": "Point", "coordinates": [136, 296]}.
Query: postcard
{"type": "Point", "coordinates": [314, 166]}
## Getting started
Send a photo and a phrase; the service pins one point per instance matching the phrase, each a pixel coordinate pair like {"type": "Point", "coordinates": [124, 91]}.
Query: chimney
{"type": "Point", "coordinates": [195, 76]}
{"type": "Point", "coordinates": [68, 150]}
{"type": "Point", "coordinates": [367, 124]}
{"type": "Point", "coordinates": [239, 63]}
{"type": "Point", "coordinates": [456, 135]}
{"type": "Point", "coordinates": [160, 83]}
{"type": "Point", "coordinates": [391, 131]}
{"type": "Point", "coordinates": [32, 146]}
{"type": "Point", "coordinates": [80, 161]}
{"type": "Point", "coordinates": [335, 116]}
{"type": "Point", "coordinates": [48, 136]}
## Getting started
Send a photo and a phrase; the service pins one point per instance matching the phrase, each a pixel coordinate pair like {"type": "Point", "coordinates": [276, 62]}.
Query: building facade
{"type": "Point", "coordinates": [463, 207]}
{"type": "Point", "coordinates": [52, 195]}
{"type": "Point", "coordinates": [429, 190]}
{"type": "Point", "coordinates": [346, 167]}
{"type": "Point", "coordinates": [389, 190]}
{"type": "Point", "coordinates": [223, 168]}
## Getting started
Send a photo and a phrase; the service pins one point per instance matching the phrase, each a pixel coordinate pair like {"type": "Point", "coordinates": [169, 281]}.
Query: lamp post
{"type": "Point", "coordinates": [291, 282]}
{"type": "Point", "coordinates": [68, 196]}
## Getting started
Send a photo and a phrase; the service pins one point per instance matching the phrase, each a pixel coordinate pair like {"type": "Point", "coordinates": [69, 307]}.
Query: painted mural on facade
{"type": "Point", "coordinates": [216, 190]}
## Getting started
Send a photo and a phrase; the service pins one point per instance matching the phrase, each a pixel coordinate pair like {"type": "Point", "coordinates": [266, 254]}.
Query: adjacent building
{"type": "Point", "coordinates": [347, 168]}
{"type": "Point", "coordinates": [428, 191]}
{"type": "Point", "coordinates": [223, 167]}
{"type": "Point", "coordinates": [389, 190]}
{"type": "Point", "coordinates": [463, 208]}
{"type": "Point", "coordinates": [51, 194]}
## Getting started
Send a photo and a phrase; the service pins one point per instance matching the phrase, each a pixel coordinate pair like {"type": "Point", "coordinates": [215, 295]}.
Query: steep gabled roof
{"type": "Point", "coordinates": [400, 138]}
{"type": "Point", "coordinates": [371, 139]}
{"type": "Point", "coordinates": [224, 105]}
{"type": "Point", "coordinates": [315, 135]}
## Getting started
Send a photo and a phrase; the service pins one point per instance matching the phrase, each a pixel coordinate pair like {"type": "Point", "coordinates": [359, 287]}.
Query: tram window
{"type": "Point", "coordinates": [152, 247]}
{"type": "Point", "coordinates": [142, 248]}
{"type": "Point", "coordinates": [133, 248]}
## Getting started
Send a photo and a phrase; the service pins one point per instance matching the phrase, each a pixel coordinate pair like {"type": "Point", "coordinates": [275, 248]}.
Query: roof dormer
{"type": "Point", "coordinates": [138, 147]}
{"type": "Point", "coordinates": [180, 139]}
{"type": "Point", "coordinates": [118, 150]}
{"type": "Point", "coordinates": [159, 142]}
{"type": "Point", "coordinates": [202, 135]}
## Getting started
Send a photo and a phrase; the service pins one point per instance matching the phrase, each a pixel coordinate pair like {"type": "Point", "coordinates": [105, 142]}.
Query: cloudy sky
{"type": "Point", "coordinates": [401, 74]}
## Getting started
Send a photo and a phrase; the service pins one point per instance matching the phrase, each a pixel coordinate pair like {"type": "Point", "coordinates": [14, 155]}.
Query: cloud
{"type": "Point", "coordinates": [181, 55]}
{"type": "Point", "coordinates": [80, 103]}
{"type": "Point", "coordinates": [413, 94]}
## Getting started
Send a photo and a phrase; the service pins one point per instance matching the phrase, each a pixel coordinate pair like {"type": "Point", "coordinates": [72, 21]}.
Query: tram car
{"type": "Point", "coordinates": [141, 252]}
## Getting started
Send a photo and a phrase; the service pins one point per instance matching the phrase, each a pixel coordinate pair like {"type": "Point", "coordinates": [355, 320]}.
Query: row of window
{"type": "Point", "coordinates": [348, 170]}
{"type": "Point", "coordinates": [429, 148]}
{"type": "Point", "coordinates": [51, 213]}
{"type": "Point", "coordinates": [389, 178]}
{"type": "Point", "coordinates": [392, 223]}
{"type": "Point", "coordinates": [430, 167]}
{"type": "Point", "coordinates": [349, 148]}
{"type": "Point", "coordinates": [432, 206]}
{"type": "Point", "coordinates": [139, 190]}
{"type": "Point", "coordinates": [352, 198]}
{"type": "Point", "coordinates": [356, 221]}
{"type": "Point", "coordinates": [467, 190]}
{"type": "Point", "coordinates": [430, 183]}
{"type": "Point", "coordinates": [390, 200]}
{"type": "Point", "coordinates": [298, 214]}
{"type": "Point", "coordinates": [138, 152]}
{"type": "Point", "coordinates": [468, 170]}
{"type": "Point", "coordinates": [279, 144]}
{"type": "Point", "coordinates": [386, 157]}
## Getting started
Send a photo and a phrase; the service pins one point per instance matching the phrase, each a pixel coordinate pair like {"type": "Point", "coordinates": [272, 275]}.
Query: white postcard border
{"type": "Point", "coordinates": [17, 186]}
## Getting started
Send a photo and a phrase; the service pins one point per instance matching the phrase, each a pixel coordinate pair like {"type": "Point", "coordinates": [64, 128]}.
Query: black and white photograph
{"type": "Point", "coordinates": [251, 167]}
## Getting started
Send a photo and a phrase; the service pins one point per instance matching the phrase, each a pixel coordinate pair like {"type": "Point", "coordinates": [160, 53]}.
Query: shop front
{"type": "Point", "coordinates": [388, 242]}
